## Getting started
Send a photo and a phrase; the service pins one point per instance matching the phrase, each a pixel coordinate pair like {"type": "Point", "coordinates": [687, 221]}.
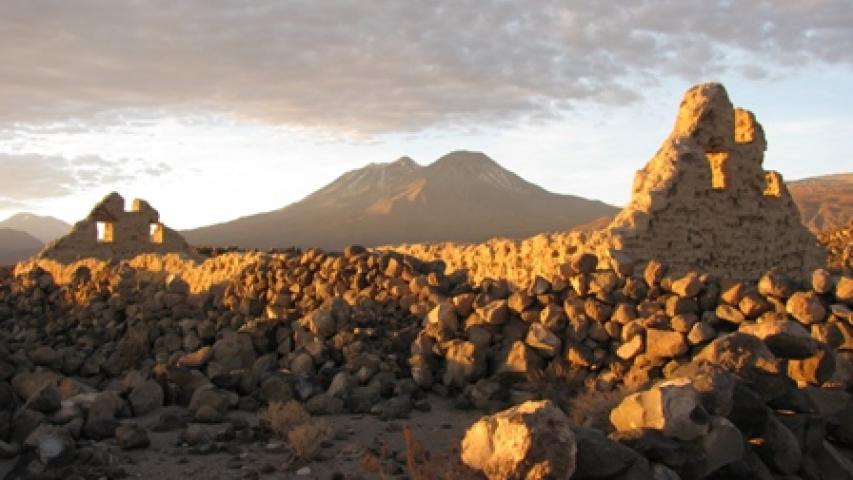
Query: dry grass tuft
{"type": "Point", "coordinates": [591, 408]}
{"type": "Point", "coordinates": [290, 422]}
{"type": "Point", "coordinates": [421, 465]}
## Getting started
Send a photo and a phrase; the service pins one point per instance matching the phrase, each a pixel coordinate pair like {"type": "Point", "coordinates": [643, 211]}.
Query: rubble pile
{"type": "Point", "coordinates": [367, 332]}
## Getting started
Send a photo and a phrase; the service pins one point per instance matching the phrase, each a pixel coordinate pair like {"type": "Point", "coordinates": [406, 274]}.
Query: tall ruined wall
{"type": "Point", "coordinates": [123, 234]}
{"type": "Point", "coordinates": [703, 202]}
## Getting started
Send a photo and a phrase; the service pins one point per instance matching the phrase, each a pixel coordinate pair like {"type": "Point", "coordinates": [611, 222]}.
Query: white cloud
{"type": "Point", "coordinates": [29, 178]}
{"type": "Point", "coordinates": [385, 66]}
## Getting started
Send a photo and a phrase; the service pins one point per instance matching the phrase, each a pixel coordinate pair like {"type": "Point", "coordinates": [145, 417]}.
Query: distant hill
{"type": "Point", "coordinates": [43, 228]}
{"type": "Point", "coordinates": [463, 196]}
{"type": "Point", "coordinates": [825, 202]}
{"type": "Point", "coordinates": [16, 245]}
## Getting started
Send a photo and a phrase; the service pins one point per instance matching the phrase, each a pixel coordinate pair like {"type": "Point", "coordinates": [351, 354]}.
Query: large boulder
{"type": "Point", "coordinates": [530, 441]}
{"type": "Point", "coordinates": [784, 338]}
{"type": "Point", "coordinates": [601, 458]}
{"type": "Point", "coordinates": [740, 353]}
{"type": "Point", "coordinates": [671, 406]}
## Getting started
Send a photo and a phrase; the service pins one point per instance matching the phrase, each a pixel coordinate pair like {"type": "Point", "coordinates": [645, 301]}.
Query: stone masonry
{"type": "Point", "coordinates": [703, 202]}
{"type": "Point", "coordinates": [111, 232]}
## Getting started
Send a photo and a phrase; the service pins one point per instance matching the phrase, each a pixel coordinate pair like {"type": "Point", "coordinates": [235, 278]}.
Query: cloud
{"type": "Point", "coordinates": [385, 65]}
{"type": "Point", "coordinates": [27, 179]}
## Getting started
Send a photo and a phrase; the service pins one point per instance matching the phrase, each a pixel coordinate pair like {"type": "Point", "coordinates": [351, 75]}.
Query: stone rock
{"type": "Point", "coordinates": [170, 419]}
{"type": "Point", "coordinates": [822, 281]}
{"type": "Point", "coordinates": [234, 351]}
{"type": "Point", "coordinates": [665, 343]}
{"type": "Point", "coordinates": [740, 353]}
{"type": "Point", "coordinates": [671, 406]}
{"type": "Point", "coordinates": [779, 448]}
{"type": "Point", "coordinates": [700, 332]}
{"type": "Point", "coordinates": [444, 317]}
{"type": "Point", "coordinates": [631, 348]}
{"type": "Point", "coordinates": [146, 398]}
{"type": "Point", "coordinates": [212, 397]}
{"type": "Point", "coordinates": [55, 447]}
{"type": "Point", "coordinates": [465, 362]}
{"type": "Point", "coordinates": [728, 313]}
{"type": "Point", "coordinates": [844, 290]}
{"type": "Point", "coordinates": [831, 463]}
{"type": "Point", "coordinates": [815, 370]}
{"type": "Point", "coordinates": [320, 322]}
{"type": "Point", "coordinates": [687, 286]}
{"type": "Point", "coordinates": [495, 313]}
{"type": "Point", "coordinates": [599, 457]}
{"type": "Point", "coordinates": [530, 441]}
{"type": "Point", "coordinates": [130, 436]}
{"type": "Point", "coordinates": [100, 428]}
{"type": "Point", "coordinates": [805, 307]}
{"type": "Point", "coordinates": [775, 284]}
{"type": "Point", "coordinates": [195, 435]}
{"type": "Point", "coordinates": [583, 262]}
{"type": "Point", "coordinates": [544, 341]}
{"type": "Point", "coordinates": [722, 445]}
{"type": "Point", "coordinates": [714, 386]}
{"type": "Point", "coordinates": [785, 338]}
{"type": "Point", "coordinates": [520, 359]}
{"type": "Point", "coordinates": [196, 359]}
{"type": "Point", "coordinates": [8, 450]}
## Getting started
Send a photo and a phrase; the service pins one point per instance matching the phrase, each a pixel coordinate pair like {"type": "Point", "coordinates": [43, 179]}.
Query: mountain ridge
{"type": "Point", "coordinates": [44, 228]}
{"type": "Point", "coordinates": [825, 201]}
{"type": "Point", "coordinates": [462, 196]}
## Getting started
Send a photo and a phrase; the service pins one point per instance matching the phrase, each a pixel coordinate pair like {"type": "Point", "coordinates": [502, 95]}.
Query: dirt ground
{"type": "Point", "coordinates": [363, 447]}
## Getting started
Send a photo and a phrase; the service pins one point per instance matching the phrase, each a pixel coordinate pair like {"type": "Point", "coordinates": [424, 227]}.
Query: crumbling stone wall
{"type": "Point", "coordinates": [111, 233]}
{"type": "Point", "coordinates": [703, 202]}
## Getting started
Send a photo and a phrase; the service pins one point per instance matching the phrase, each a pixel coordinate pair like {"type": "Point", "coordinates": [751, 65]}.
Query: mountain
{"type": "Point", "coordinates": [825, 202]}
{"type": "Point", "coordinates": [43, 228]}
{"type": "Point", "coordinates": [463, 196]}
{"type": "Point", "coordinates": [16, 245]}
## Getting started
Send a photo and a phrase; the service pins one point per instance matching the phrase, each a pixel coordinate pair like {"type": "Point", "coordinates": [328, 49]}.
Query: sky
{"type": "Point", "coordinates": [215, 109]}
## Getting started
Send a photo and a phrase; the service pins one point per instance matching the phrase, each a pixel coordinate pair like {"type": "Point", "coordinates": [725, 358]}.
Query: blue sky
{"type": "Point", "coordinates": [213, 110]}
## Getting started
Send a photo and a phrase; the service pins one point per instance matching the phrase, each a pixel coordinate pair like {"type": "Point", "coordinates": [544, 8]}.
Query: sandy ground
{"type": "Point", "coordinates": [359, 440]}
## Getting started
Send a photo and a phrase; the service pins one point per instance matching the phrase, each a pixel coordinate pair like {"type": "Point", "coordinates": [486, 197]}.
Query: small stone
{"type": "Point", "coordinates": [146, 398]}
{"type": "Point", "coordinates": [130, 436]}
{"type": "Point", "coordinates": [701, 332]}
{"type": "Point", "coordinates": [806, 307]}
{"type": "Point", "coordinates": [822, 281]}
{"type": "Point", "coordinates": [543, 340]}
{"type": "Point", "coordinates": [728, 313]}
{"type": "Point", "coordinates": [631, 348]}
{"type": "Point", "coordinates": [665, 343]}
{"type": "Point", "coordinates": [687, 286]}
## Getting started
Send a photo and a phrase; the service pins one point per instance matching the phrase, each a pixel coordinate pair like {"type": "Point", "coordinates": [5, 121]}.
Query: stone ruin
{"type": "Point", "coordinates": [112, 233]}
{"type": "Point", "coordinates": [704, 202]}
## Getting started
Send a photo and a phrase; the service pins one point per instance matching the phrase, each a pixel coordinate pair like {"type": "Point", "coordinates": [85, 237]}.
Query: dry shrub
{"type": "Point", "coordinates": [306, 440]}
{"type": "Point", "coordinates": [281, 418]}
{"type": "Point", "coordinates": [559, 382]}
{"type": "Point", "coordinates": [591, 408]}
{"type": "Point", "coordinates": [293, 424]}
{"type": "Point", "coordinates": [421, 465]}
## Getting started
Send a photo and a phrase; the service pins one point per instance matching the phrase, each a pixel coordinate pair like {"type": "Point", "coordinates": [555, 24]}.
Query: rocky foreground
{"type": "Point", "coordinates": [607, 371]}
